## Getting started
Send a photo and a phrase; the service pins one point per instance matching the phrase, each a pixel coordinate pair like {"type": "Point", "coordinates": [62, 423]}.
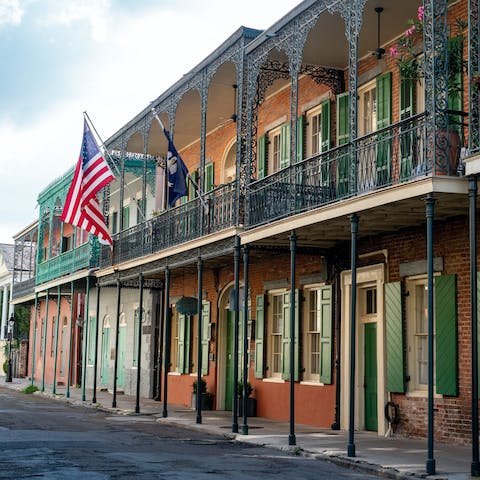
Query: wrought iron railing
{"type": "Point", "coordinates": [172, 227]}
{"type": "Point", "coordinates": [389, 156]}
{"type": "Point", "coordinates": [23, 288]}
{"type": "Point", "coordinates": [84, 256]}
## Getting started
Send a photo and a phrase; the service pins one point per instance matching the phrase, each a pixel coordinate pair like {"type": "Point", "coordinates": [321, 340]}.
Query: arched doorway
{"type": "Point", "coordinates": [105, 350]}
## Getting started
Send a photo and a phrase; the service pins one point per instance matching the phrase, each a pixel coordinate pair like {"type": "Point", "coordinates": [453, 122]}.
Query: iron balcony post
{"type": "Point", "coordinates": [139, 341]}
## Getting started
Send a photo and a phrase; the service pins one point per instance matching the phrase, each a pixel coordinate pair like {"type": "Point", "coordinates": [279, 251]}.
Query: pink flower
{"type": "Point", "coordinates": [393, 52]}
{"type": "Point", "coordinates": [409, 32]}
{"type": "Point", "coordinates": [421, 12]}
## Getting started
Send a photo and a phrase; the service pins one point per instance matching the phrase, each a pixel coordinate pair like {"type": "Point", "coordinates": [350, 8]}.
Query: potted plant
{"type": "Point", "coordinates": [251, 402]}
{"type": "Point", "coordinates": [407, 55]}
{"type": "Point", "coordinates": [206, 398]}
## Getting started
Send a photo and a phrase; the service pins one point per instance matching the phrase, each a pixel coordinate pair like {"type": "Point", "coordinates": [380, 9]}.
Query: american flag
{"type": "Point", "coordinates": [92, 173]}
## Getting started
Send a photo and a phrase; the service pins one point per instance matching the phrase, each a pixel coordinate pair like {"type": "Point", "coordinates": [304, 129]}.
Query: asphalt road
{"type": "Point", "coordinates": [41, 438]}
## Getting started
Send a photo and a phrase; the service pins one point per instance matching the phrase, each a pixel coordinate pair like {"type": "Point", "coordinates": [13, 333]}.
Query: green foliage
{"type": "Point", "coordinates": [22, 322]}
{"type": "Point", "coordinates": [240, 389]}
{"type": "Point", "coordinates": [203, 386]}
{"type": "Point", "coordinates": [30, 389]}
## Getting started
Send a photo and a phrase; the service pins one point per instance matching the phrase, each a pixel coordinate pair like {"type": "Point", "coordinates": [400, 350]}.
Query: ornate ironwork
{"type": "Point", "coordinates": [23, 288]}
{"type": "Point", "coordinates": [436, 81]}
{"type": "Point", "coordinates": [179, 225]}
{"type": "Point", "coordinates": [473, 69]}
{"type": "Point", "coordinates": [392, 155]}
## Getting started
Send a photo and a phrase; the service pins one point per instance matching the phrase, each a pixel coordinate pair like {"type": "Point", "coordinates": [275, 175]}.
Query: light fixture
{"type": "Point", "coordinates": [187, 305]}
{"type": "Point", "coordinates": [379, 51]}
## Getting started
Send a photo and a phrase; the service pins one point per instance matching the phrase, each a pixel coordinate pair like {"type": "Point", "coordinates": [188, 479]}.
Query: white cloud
{"type": "Point", "coordinates": [10, 12]}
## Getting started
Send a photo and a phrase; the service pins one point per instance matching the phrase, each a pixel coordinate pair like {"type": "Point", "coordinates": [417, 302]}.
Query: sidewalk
{"type": "Point", "coordinates": [392, 457]}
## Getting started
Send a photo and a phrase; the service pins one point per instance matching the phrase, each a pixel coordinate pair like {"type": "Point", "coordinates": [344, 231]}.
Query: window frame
{"type": "Point", "coordinates": [362, 117]}
{"type": "Point", "coordinates": [273, 155]}
{"type": "Point", "coordinates": [271, 352]}
{"type": "Point", "coordinates": [311, 114]}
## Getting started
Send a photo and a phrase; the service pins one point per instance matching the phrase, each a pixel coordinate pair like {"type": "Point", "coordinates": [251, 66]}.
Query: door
{"type": "Point", "coordinates": [105, 353]}
{"type": "Point", "coordinates": [121, 355]}
{"type": "Point", "coordinates": [370, 376]}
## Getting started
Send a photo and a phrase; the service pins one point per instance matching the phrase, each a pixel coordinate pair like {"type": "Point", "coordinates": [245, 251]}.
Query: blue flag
{"type": "Point", "coordinates": [177, 173]}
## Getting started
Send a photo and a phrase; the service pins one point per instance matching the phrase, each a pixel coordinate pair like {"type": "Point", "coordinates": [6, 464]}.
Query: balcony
{"type": "Point", "coordinates": [388, 157]}
{"type": "Point", "coordinates": [23, 288]}
{"type": "Point", "coordinates": [84, 256]}
{"type": "Point", "coordinates": [175, 226]}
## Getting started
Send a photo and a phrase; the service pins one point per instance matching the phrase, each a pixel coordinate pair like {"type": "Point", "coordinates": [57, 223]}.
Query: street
{"type": "Point", "coordinates": [44, 438]}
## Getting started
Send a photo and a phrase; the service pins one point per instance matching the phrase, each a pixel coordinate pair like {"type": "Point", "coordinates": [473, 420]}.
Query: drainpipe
{"type": "Point", "coordinates": [336, 423]}
{"type": "Point", "coordinates": [245, 339]}
{"type": "Point", "coordinates": [199, 339]}
{"type": "Point", "coordinates": [293, 252]}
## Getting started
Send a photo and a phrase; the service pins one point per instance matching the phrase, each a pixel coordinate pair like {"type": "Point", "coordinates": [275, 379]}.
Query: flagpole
{"type": "Point", "coordinates": [202, 200]}
{"type": "Point", "coordinates": [85, 115]}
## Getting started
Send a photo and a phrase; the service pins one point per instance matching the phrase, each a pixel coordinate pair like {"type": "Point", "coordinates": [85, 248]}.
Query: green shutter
{"type": "Point", "coordinates": [394, 338]}
{"type": "Point", "coordinates": [406, 137]}
{"type": "Point", "coordinates": [343, 126]}
{"type": "Point", "coordinates": [209, 180]}
{"type": "Point", "coordinates": [384, 100]}
{"type": "Point", "coordinates": [205, 336]}
{"type": "Point", "coordinates": [285, 146]}
{"type": "Point", "coordinates": [343, 136]}
{"type": "Point", "coordinates": [300, 138]}
{"type": "Point", "coordinates": [326, 335]}
{"type": "Point", "coordinates": [455, 80]}
{"type": "Point", "coordinates": [286, 336]}
{"type": "Point", "coordinates": [192, 191]}
{"type": "Point", "coordinates": [261, 156]}
{"type": "Point", "coordinates": [92, 340]}
{"type": "Point", "coordinates": [126, 217]}
{"type": "Point", "coordinates": [259, 335]}
{"type": "Point", "coordinates": [181, 319]}
{"type": "Point", "coordinates": [384, 119]}
{"type": "Point", "coordinates": [326, 125]}
{"type": "Point", "coordinates": [446, 334]}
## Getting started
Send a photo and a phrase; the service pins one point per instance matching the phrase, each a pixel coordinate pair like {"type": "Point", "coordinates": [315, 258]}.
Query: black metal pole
{"type": "Point", "coordinates": [236, 287]}
{"type": "Point", "coordinates": [353, 308]}
{"type": "Point", "coordinates": [472, 194]}
{"type": "Point", "coordinates": [199, 340]}
{"type": "Point", "coordinates": [10, 334]}
{"type": "Point", "coordinates": [430, 464]}
{"type": "Point", "coordinates": [161, 331]}
{"type": "Point", "coordinates": [55, 357]}
{"type": "Point", "coordinates": [338, 352]}
{"type": "Point", "coordinates": [95, 359]}
{"type": "Point", "coordinates": [117, 332]}
{"type": "Point", "coordinates": [167, 320]}
{"type": "Point", "coordinates": [139, 341]}
{"type": "Point", "coordinates": [70, 339]}
{"type": "Point", "coordinates": [35, 319]}
{"type": "Point", "coordinates": [293, 252]}
{"type": "Point", "coordinates": [245, 339]}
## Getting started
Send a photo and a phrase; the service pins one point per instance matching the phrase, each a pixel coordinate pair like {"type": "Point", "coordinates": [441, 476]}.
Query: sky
{"type": "Point", "coordinates": [110, 58]}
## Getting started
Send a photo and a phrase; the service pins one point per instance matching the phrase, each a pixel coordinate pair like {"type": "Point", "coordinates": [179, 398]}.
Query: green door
{"type": "Point", "coordinates": [121, 355]}
{"type": "Point", "coordinates": [105, 354]}
{"type": "Point", "coordinates": [370, 383]}
{"type": "Point", "coordinates": [229, 361]}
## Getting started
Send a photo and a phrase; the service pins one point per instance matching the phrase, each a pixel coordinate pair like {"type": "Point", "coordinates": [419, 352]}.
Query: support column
{"type": "Point", "coordinates": [117, 332]}
{"type": "Point", "coordinates": [245, 339]}
{"type": "Point", "coordinates": [199, 334]}
{"type": "Point", "coordinates": [159, 310]}
{"type": "Point", "coordinates": [45, 341]}
{"type": "Point", "coordinates": [472, 194]}
{"type": "Point", "coordinates": [86, 324]}
{"type": "Point", "coordinates": [95, 359]}
{"type": "Point", "coordinates": [430, 464]}
{"type": "Point", "coordinates": [293, 253]}
{"type": "Point", "coordinates": [236, 287]}
{"type": "Point", "coordinates": [70, 341]}
{"type": "Point", "coordinates": [55, 356]}
{"type": "Point", "coordinates": [353, 323]}
{"type": "Point", "coordinates": [34, 339]}
{"type": "Point", "coordinates": [139, 340]}
{"type": "Point", "coordinates": [167, 321]}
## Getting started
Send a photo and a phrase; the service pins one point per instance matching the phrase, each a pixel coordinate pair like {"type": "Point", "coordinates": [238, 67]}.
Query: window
{"type": "Point", "coordinates": [317, 334]}
{"type": "Point", "coordinates": [275, 335]}
{"type": "Point", "coordinates": [314, 132]}
{"type": "Point", "coordinates": [370, 301]}
{"type": "Point", "coordinates": [367, 108]}
{"type": "Point", "coordinates": [52, 342]}
{"type": "Point", "coordinates": [174, 342]}
{"type": "Point", "coordinates": [42, 326]}
{"type": "Point", "coordinates": [418, 327]}
{"type": "Point", "coordinates": [274, 138]}
{"type": "Point", "coordinates": [114, 223]}
{"type": "Point", "coordinates": [67, 243]}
